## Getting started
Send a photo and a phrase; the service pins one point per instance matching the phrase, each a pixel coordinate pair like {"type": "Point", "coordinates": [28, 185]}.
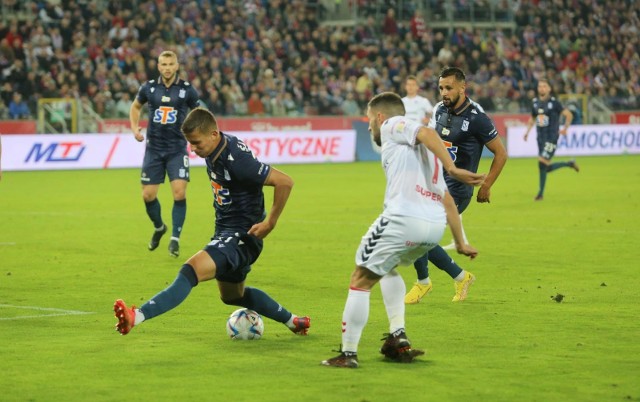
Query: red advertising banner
{"type": "Point", "coordinates": [632, 117]}
{"type": "Point", "coordinates": [17, 127]}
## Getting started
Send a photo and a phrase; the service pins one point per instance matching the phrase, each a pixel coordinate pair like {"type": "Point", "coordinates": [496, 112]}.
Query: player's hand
{"type": "Point", "coordinates": [526, 136]}
{"type": "Point", "coordinates": [484, 194]}
{"type": "Point", "coordinates": [261, 229]}
{"type": "Point", "coordinates": [467, 249]}
{"type": "Point", "coordinates": [137, 135]}
{"type": "Point", "coordinates": [563, 131]}
{"type": "Point", "coordinates": [467, 177]}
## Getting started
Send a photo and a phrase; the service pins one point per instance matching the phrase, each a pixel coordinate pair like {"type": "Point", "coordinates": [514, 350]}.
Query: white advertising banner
{"type": "Point", "coordinates": [580, 140]}
{"type": "Point", "coordinates": [105, 151]}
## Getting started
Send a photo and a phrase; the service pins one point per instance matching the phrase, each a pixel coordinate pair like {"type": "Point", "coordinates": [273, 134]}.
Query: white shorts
{"type": "Point", "coordinates": [397, 240]}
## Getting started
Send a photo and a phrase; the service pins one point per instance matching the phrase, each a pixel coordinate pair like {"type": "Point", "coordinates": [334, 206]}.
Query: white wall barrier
{"type": "Point", "coordinates": [105, 151]}
{"type": "Point", "coordinates": [580, 140]}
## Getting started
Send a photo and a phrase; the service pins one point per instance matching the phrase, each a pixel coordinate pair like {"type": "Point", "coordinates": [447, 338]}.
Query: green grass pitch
{"type": "Point", "coordinates": [71, 242]}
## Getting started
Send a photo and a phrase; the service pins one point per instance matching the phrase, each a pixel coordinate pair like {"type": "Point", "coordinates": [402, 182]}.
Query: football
{"type": "Point", "coordinates": [245, 324]}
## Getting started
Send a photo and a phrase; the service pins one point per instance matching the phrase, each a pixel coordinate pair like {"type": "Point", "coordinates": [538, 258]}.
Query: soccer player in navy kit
{"type": "Point", "coordinates": [170, 99]}
{"type": "Point", "coordinates": [545, 114]}
{"type": "Point", "coordinates": [465, 129]}
{"type": "Point", "coordinates": [237, 179]}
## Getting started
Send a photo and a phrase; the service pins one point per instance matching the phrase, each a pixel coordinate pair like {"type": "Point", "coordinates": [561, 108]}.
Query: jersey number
{"type": "Point", "coordinates": [220, 194]}
{"type": "Point", "coordinates": [453, 149]}
{"type": "Point", "coordinates": [165, 115]}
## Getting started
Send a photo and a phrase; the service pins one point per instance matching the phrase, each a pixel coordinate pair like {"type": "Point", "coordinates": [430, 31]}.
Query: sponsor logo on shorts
{"type": "Point", "coordinates": [409, 243]}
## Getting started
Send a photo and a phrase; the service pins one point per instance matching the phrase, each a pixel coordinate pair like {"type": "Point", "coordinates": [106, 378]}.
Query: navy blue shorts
{"type": "Point", "coordinates": [547, 148]}
{"type": "Point", "coordinates": [461, 203]}
{"type": "Point", "coordinates": [155, 164]}
{"type": "Point", "coordinates": [233, 255]}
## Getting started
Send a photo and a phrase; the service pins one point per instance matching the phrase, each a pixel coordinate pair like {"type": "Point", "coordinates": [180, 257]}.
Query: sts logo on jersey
{"type": "Point", "coordinates": [453, 149]}
{"type": "Point", "coordinates": [165, 115]}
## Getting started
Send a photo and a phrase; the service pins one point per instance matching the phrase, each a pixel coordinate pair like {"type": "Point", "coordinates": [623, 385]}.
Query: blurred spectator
{"type": "Point", "coordinates": [122, 106]}
{"type": "Point", "coordinates": [232, 49]}
{"type": "Point", "coordinates": [350, 107]}
{"type": "Point", "coordinates": [255, 107]}
{"type": "Point", "coordinates": [18, 108]}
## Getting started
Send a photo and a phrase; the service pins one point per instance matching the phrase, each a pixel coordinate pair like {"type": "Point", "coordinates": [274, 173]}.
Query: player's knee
{"type": "Point", "coordinates": [237, 301]}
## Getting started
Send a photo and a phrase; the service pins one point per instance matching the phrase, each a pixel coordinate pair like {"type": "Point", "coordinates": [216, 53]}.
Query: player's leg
{"type": "Point", "coordinates": [461, 204]}
{"type": "Point", "coordinates": [396, 345]}
{"type": "Point", "coordinates": [546, 150]}
{"type": "Point", "coordinates": [463, 279]}
{"type": "Point", "coordinates": [452, 245]}
{"type": "Point", "coordinates": [557, 165]}
{"type": "Point", "coordinates": [233, 262]}
{"type": "Point", "coordinates": [423, 284]}
{"type": "Point", "coordinates": [198, 268]}
{"type": "Point", "coordinates": [236, 294]}
{"type": "Point", "coordinates": [152, 176]}
{"type": "Point", "coordinates": [178, 172]}
{"type": "Point", "coordinates": [354, 317]}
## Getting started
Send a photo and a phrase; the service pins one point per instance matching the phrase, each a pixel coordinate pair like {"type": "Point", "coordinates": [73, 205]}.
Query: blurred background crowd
{"type": "Point", "coordinates": [296, 58]}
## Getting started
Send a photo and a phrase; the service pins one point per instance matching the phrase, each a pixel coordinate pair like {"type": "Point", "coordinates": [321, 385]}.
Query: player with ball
{"type": "Point", "coordinates": [237, 180]}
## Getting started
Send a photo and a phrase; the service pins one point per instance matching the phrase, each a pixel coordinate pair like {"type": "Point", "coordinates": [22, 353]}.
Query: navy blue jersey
{"type": "Point", "coordinates": [547, 116]}
{"type": "Point", "coordinates": [237, 178]}
{"type": "Point", "coordinates": [167, 109]}
{"type": "Point", "coordinates": [464, 132]}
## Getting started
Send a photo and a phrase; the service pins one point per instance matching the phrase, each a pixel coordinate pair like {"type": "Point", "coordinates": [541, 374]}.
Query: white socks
{"type": "Point", "coordinates": [393, 291]}
{"type": "Point", "coordinates": [139, 317]}
{"type": "Point", "coordinates": [354, 318]}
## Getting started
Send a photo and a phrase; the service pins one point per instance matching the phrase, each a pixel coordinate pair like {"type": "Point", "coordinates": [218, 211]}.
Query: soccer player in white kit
{"type": "Point", "coordinates": [417, 108]}
{"type": "Point", "coordinates": [416, 210]}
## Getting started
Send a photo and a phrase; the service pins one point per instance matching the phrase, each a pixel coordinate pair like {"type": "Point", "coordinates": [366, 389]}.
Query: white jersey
{"type": "Point", "coordinates": [417, 108]}
{"type": "Point", "coordinates": [415, 182]}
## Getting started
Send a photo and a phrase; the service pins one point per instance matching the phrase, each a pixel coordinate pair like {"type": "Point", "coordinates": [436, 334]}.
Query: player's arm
{"type": "Point", "coordinates": [499, 160]}
{"type": "Point", "coordinates": [529, 126]}
{"type": "Point", "coordinates": [453, 219]}
{"type": "Point", "coordinates": [430, 139]}
{"type": "Point", "coordinates": [134, 119]}
{"type": "Point", "coordinates": [568, 118]}
{"type": "Point", "coordinates": [282, 185]}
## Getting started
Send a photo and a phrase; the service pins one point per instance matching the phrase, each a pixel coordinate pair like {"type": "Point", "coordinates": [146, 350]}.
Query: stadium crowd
{"type": "Point", "coordinates": [276, 58]}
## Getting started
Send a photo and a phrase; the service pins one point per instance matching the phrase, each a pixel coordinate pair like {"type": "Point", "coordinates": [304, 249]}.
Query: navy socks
{"type": "Point", "coordinates": [153, 210]}
{"type": "Point", "coordinates": [172, 296]}
{"type": "Point", "coordinates": [178, 215]}
{"type": "Point", "coordinates": [543, 177]}
{"type": "Point", "coordinates": [263, 304]}
{"type": "Point", "coordinates": [441, 259]}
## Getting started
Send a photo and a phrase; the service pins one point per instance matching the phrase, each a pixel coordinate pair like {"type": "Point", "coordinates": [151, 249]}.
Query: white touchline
{"type": "Point", "coordinates": [60, 312]}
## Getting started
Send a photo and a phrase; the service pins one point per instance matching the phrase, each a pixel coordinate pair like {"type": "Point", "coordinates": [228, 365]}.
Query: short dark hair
{"type": "Point", "coordinates": [388, 102]}
{"type": "Point", "coordinates": [455, 71]}
{"type": "Point", "coordinates": [199, 119]}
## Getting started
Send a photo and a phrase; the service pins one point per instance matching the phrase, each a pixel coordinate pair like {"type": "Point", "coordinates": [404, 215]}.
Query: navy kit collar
{"type": "Point", "coordinates": [458, 111]}
{"type": "Point", "coordinates": [219, 148]}
{"type": "Point", "coordinates": [175, 81]}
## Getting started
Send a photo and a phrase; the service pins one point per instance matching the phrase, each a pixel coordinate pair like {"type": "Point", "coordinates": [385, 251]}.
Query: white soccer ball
{"type": "Point", "coordinates": [245, 324]}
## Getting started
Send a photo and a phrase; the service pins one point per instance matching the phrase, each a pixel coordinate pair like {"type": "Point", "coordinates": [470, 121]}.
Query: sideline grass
{"type": "Point", "coordinates": [76, 240]}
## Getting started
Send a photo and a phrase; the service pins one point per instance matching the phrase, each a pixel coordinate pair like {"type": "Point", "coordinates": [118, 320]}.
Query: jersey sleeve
{"type": "Point", "coordinates": [432, 121]}
{"type": "Point", "coordinates": [142, 96]}
{"type": "Point", "coordinates": [404, 131]}
{"type": "Point", "coordinates": [484, 129]}
{"type": "Point", "coordinates": [558, 106]}
{"type": "Point", "coordinates": [193, 100]}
